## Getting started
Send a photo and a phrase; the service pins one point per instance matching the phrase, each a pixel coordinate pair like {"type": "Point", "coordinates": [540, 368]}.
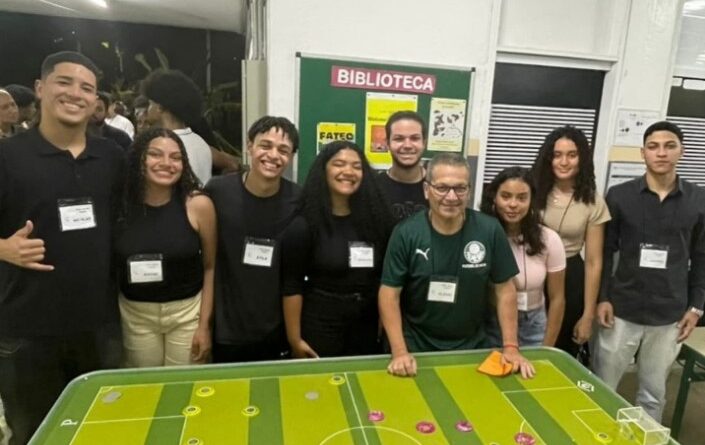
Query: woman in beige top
{"type": "Point", "coordinates": [565, 184]}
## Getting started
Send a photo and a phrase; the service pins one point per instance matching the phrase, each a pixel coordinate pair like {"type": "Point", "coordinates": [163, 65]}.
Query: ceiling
{"type": "Point", "coordinates": [224, 15]}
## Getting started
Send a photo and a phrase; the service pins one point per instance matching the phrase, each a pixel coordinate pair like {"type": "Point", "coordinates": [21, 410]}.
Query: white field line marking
{"type": "Point", "coordinates": [357, 411]}
{"type": "Point", "coordinates": [522, 417]}
{"type": "Point", "coordinates": [183, 430]}
{"type": "Point", "coordinates": [75, 435]}
{"type": "Point", "coordinates": [135, 419]}
{"type": "Point", "coordinates": [384, 428]}
{"type": "Point", "coordinates": [584, 422]}
{"type": "Point", "coordinates": [558, 388]}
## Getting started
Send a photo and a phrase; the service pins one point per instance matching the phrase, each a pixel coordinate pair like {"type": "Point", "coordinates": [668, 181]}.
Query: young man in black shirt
{"type": "Point", "coordinates": [58, 194]}
{"type": "Point", "coordinates": [253, 208]}
{"type": "Point", "coordinates": [654, 297]}
{"type": "Point", "coordinates": [98, 127]}
{"type": "Point", "coordinates": [403, 182]}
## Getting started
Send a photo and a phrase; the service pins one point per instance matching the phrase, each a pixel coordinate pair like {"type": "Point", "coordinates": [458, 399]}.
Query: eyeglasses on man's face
{"type": "Point", "coordinates": [443, 190]}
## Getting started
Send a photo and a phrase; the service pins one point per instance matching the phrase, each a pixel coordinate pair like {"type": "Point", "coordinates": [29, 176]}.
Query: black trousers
{"type": "Point", "coordinates": [336, 324]}
{"type": "Point", "coordinates": [574, 304]}
{"type": "Point", "coordinates": [272, 346]}
{"type": "Point", "coordinates": [34, 371]}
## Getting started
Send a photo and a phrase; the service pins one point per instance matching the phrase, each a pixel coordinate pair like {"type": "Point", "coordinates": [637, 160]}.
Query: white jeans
{"type": "Point", "coordinates": [658, 348]}
{"type": "Point", "coordinates": [159, 334]}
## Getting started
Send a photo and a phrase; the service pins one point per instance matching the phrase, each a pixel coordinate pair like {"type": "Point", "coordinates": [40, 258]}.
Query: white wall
{"type": "Point", "coordinates": [633, 41]}
{"type": "Point", "coordinates": [457, 33]}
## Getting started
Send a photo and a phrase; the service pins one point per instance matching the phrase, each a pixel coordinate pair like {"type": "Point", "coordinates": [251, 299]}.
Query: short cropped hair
{"type": "Point", "coordinates": [664, 126]}
{"type": "Point", "coordinates": [450, 159]}
{"type": "Point", "coordinates": [405, 115]}
{"type": "Point", "coordinates": [266, 123]}
{"type": "Point", "coordinates": [22, 95]}
{"type": "Point", "coordinates": [176, 92]}
{"type": "Point", "coordinates": [105, 98]}
{"type": "Point", "coordinates": [68, 57]}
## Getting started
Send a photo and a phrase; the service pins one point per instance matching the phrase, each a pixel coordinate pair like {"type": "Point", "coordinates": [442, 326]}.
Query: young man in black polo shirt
{"type": "Point", "coordinates": [403, 182]}
{"type": "Point", "coordinates": [58, 190]}
{"type": "Point", "coordinates": [253, 209]}
{"type": "Point", "coordinates": [654, 298]}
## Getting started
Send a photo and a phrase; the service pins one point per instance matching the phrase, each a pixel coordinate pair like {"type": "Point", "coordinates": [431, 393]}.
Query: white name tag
{"type": "Point", "coordinates": [522, 301]}
{"type": "Point", "coordinates": [653, 256]}
{"type": "Point", "coordinates": [442, 291]}
{"type": "Point", "coordinates": [146, 271]}
{"type": "Point", "coordinates": [76, 214]}
{"type": "Point", "coordinates": [258, 252]}
{"type": "Point", "coordinates": [362, 255]}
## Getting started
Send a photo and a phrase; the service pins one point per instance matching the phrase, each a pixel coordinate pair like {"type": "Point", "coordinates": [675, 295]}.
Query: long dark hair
{"type": "Point", "coordinates": [133, 196]}
{"type": "Point", "coordinates": [371, 213]}
{"type": "Point", "coordinates": [530, 225]}
{"type": "Point", "coordinates": [542, 169]}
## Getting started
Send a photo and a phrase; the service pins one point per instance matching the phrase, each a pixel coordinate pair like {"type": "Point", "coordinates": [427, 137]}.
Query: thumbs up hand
{"type": "Point", "coordinates": [23, 251]}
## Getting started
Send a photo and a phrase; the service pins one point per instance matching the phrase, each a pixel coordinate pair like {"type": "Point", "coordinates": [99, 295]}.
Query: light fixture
{"type": "Point", "coordinates": [101, 3]}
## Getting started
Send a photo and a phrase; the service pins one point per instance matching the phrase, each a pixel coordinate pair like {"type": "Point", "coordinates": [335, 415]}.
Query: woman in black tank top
{"type": "Point", "coordinates": [332, 257]}
{"type": "Point", "coordinates": [165, 251]}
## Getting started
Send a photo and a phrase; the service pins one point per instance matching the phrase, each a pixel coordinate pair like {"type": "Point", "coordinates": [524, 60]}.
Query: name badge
{"type": "Point", "coordinates": [442, 289]}
{"type": "Point", "coordinates": [522, 301]}
{"type": "Point", "coordinates": [258, 252]}
{"type": "Point", "coordinates": [361, 255]}
{"type": "Point", "coordinates": [76, 214]}
{"type": "Point", "coordinates": [653, 256]}
{"type": "Point", "coordinates": [145, 268]}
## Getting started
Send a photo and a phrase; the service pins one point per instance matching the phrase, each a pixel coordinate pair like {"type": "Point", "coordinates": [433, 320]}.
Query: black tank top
{"type": "Point", "coordinates": [163, 234]}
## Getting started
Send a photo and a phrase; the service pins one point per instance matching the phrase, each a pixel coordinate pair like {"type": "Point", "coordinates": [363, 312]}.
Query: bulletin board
{"type": "Point", "coordinates": [351, 100]}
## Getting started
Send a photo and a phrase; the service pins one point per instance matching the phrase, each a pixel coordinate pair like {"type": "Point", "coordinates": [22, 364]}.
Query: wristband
{"type": "Point", "coordinates": [510, 345]}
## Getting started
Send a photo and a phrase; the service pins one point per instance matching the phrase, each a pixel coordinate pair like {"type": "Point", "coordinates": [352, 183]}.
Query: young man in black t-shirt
{"type": "Point", "coordinates": [253, 209]}
{"type": "Point", "coordinates": [58, 195]}
{"type": "Point", "coordinates": [403, 182]}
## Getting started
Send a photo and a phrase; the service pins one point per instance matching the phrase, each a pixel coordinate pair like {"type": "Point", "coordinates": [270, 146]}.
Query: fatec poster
{"type": "Point", "coordinates": [379, 107]}
{"type": "Point", "coordinates": [333, 131]}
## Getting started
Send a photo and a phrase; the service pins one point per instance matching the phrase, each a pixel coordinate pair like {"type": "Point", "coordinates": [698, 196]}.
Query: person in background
{"type": "Point", "coordinates": [403, 183]}
{"type": "Point", "coordinates": [539, 254]}
{"type": "Point", "coordinates": [652, 300]}
{"type": "Point", "coordinates": [566, 195]}
{"type": "Point", "coordinates": [98, 127]}
{"type": "Point", "coordinates": [26, 103]}
{"type": "Point", "coordinates": [174, 100]}
{"type": "Point", "coordinates": [332, 257]}
{"type": "Point", "coordinates": [165, 250]}
{"type": "Point", "coordinates": [9, 115]}
{"type": "Point", "coordinates": [117, 117]}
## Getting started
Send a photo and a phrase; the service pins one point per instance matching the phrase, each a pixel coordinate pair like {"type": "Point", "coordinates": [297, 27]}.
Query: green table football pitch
{"type": "Point", "coordinates": [351, 401]}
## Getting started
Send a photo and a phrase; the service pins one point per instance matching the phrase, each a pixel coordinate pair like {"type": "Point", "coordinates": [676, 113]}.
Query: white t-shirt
{"type": "Point", "coordinates": [199, 154]}
{"type": "Point", "coordinates": [122, 123]}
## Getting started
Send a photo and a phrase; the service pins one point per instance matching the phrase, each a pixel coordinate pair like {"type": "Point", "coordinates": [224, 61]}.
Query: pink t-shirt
{"type": "Point", "coordinates": [533, 269]}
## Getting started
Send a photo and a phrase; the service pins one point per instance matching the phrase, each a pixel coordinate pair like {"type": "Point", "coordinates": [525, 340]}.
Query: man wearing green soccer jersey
{"type": "Point", "coordinates": [438, 271]}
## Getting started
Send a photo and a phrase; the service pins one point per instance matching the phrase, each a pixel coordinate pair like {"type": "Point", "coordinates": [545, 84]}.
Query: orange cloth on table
{"type": "Point", "coordinates": [493, 365]}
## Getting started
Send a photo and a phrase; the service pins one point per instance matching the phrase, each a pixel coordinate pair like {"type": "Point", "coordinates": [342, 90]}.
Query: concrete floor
{"type": "Point", "coordinates": [693, 425]}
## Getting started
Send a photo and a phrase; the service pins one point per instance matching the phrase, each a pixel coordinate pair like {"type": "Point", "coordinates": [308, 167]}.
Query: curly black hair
{"type": "Point", "coordinates": [176, 92]}
{"type": "Point", "coordinates": [542, 169]}
{"type": "Point", "coordinates": [371, 213]}
{"type": "Point", "coordinates": [531, 224]}
{"type": "Point", "coordinates": [133, 194]}
{"type": "Point", "coordinates": [266, 123]}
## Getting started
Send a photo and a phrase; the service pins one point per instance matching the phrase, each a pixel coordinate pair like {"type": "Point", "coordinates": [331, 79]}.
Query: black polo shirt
{"type": "Point", "coordinates": [77, 295]}
{"type": "Point", "coordinates": [652, 296]}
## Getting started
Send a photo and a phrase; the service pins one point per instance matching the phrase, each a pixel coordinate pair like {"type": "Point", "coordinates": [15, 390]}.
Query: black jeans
{"type": "Point", "coordinates": [34, 371]}
{"type": "Point", "coordinates": [574, 304]}
{"type": "Point", "coordinates": [336, 324]}
{"type": "Point", "coordinates": [272, 346]}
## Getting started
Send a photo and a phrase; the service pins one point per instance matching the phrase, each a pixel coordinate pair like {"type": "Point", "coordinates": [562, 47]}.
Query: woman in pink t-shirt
{"type": "Point", "coordinates": [539, 253]}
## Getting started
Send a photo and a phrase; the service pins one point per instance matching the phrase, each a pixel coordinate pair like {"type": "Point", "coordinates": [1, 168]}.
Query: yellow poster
{"type": "Point", "coordinates": [379, 107]}
{"type": "Point", "coordinates": [333, 131]}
